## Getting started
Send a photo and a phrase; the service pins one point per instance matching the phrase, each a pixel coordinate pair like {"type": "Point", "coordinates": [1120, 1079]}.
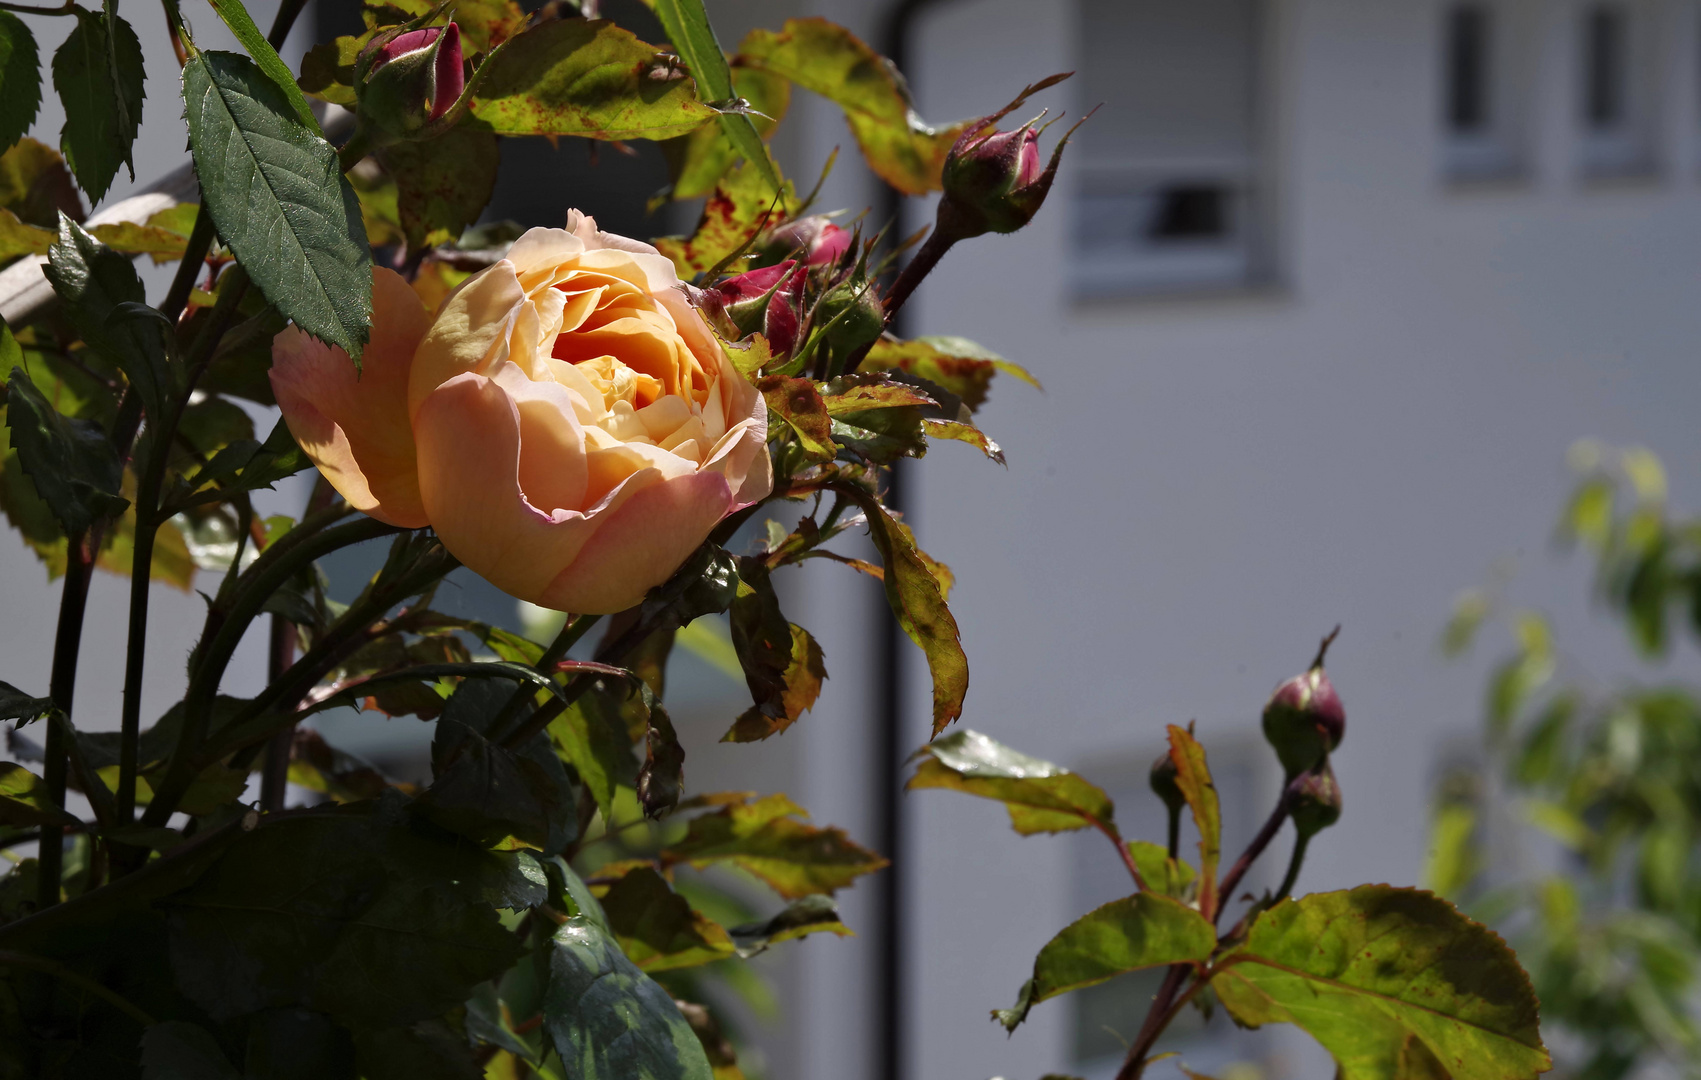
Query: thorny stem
{"type": "Point", "coordinates": [61, 686]}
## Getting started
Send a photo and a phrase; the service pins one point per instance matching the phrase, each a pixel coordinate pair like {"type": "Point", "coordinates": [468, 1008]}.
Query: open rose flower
{"type": "Point", "coordinates": [567, 423]}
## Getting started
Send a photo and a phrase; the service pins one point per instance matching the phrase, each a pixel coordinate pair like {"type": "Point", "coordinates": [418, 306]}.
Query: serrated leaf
{"type": "Point", "coordinates": [442, 184]}
{"type": "Point", "coordinates": [741, 206]}
{"type": "Point", "coordinates": [176, 1050]}
{"type": "Point", "coordinates": [608, 1020]}
{"type": "Point", "coordinates": [829, 60]}
{"type": "Point", "coordinates": [1366, 971]}
{"type": "Point", "coordinates": [279, 199]}
{"type": "Point", "coordinates": [1041, 797]}
{"type": "Point", "coordinates": [102, 113]}
{"type": "Point", "coordinates": [799, 404]}
{"type": "Point", "coordinates": [1139, 931]}
{"type": "Point", "coordinates": [857, 393]}
{"type": "Point", "coordinates": [766, 838]}
{"type": "Point", "coordinates": [588, 78]}
{"type": "Point", "coordinates": [20, 79]}
{"type": "Point", "coordinates": [917, 598]}
{"type": "Point", "coordinates": [1193, 777]}
{"type": "Point", "coordinates": [96, 285]}
{"type": "Point", "coordinates": [657, 928]}
{"type": "Point", "coordinates": [687, 26]}
{"type": "Point", "coordinates": [18, 706]}
{"type": "Point", "coordinates": [265, 58]}
{"type": "Point", "coordinates": [246, 465]}
{"type": "Point", "coordinates": [954, 364]}
{"type": "Point", "coordinates": [24, 799]}
{"type": "Point", "coordinates": [591, 736]}
{"type": "Point", "coordinates": [700, 159]}
{"type": "Point", "coordinates": [968, 433]}
{"type": "Point", "coordinates": [70, 462]}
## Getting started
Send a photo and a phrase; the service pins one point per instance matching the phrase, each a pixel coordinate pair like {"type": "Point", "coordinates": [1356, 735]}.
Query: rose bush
{"type": "Point", "coordinates": [567, 422]}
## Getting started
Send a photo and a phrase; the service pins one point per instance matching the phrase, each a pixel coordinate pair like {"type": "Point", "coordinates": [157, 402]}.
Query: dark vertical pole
{"type": "Point", "coordinates": [889, 985]}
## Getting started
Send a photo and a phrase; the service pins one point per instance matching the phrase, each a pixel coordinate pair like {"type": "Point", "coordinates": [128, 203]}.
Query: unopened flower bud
{"type": "Point", "coordinates": [814, 239]}
{"type": "Point", "coordinates": [1314, 800]}
{"type": "Point", "coordinates": [770, 300]}
{"type": "Point", "coordinates": [407, 81]}
{"type": "Point", "coordinates": [1304, 719]}
{"type": "Point", "coordinates": [851, 317]}
{"type": "Point", "coordinates": [1162, 779]}
{"type": "Point", "coordinates": [994, 182]}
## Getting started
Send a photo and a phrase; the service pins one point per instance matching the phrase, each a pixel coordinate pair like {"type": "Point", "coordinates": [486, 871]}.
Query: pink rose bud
{"type": "Point", "coordinates": [1304, 719]}
{"type": "Point", "coordinates": [769, 300]}
{"type": "Point", "coordinates": [992, 179]}
{"type": "Point", "coordinates": [815, 239]}
{"type": "Point", "coordinates": [410, 80]}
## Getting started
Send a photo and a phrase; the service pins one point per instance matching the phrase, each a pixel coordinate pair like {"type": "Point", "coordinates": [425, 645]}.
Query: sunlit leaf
{"type": "Point", "coordinates": [1041, 797]}
{"type": "Point", "coordinates": [1171, 877]}
{"type": "Point", "coordinates": [766, 838]}
{"type": "Point", "coordinates": [700, 159]}
{"type": "Point", "coordinates": [953, 364]}
{"type": "Point", "coordinates": [968, 433]}
{"type": "Point", "coordinates": [741, 206]}
{"type": "Point", "coordinates": [800, 918]}
{"type": "Point", "coordinates": [657, 928]}
{"type": "Point", "coordinates": [687, 26]}
{"type": "Point", "coordinates": [25, 801]}
{"type": "Point", "coordinates": [260, 50]}
{"type": "Point", "coordinates": [1193, 777]}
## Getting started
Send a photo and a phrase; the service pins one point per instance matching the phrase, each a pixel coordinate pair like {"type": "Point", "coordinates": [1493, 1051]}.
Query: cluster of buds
{"type": "Point", "coordinates": [408, 79]}
{"type": "Point", "coordinates": [1304, 721]}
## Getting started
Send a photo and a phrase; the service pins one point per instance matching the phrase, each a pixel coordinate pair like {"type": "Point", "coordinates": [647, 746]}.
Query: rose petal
{"type": "Point", "coordinates": [355, 425]}
{"type": "Point", "coordinates": [471, 332]}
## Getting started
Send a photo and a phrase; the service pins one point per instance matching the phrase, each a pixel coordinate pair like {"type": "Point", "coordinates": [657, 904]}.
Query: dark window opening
{"type": "Point", "coordinates": [1190, 212]}
{"type": "Point", "coordinates": [1606, 67]}
{"type": "Point", "coordinates": [1468, 43]}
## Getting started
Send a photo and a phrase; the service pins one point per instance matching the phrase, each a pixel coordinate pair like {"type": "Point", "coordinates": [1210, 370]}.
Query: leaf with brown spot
{"type": "Point", "coordinates": [741, 207]}
{"type": "Point", "coordinates": [1193, 777]}
{"type": "Point", "coordinates": [968, 433]}
{"type": "Point", "coordinates": [442, 184]}
{"type": "Point", "coordinates": [860, 392]}
{"type": "Point", "coordinates": [799, 404]}
{"type": "Point", "coordinates": [954, 364]}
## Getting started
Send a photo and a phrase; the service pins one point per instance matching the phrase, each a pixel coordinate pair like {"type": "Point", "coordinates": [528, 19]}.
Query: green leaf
{"type": "Point", "coordinates": [829, 60]}
{"type": "Point", "coordinates": [608, 1020]}
{"type": "Point", "coordinates": [1041, 797]}
{"type": "Point", "coordinates": [442, 184]}
{"type": "Point", "coordinates": [657, 928]}
{"type": "Point", "coordinates": [1369, 971]}
{"type": "Point", "coordinates": [24, 799]}
{"type": "Point", "coordinates": [591, 736]}
{"type": "Point", "coordinates": [766, 838]}
{"type": "Point", "coordinates": [279, 199]}
{"type": "Point", "coordinates": [100, 82]}
{"type": "Point", "coordinates": [175, 1050]}
{"type": "Point", "coordinates": [870, 390]}
{"type": "Point", "coordinates": [35, 185]}
{"type": "Point", "coordinates": [327, 69]}
{"type": "Point", "coordinates": [73, 466]}
{"type": "Point", "coordinates": [1193, 777]}
{"type": "Point", "coordinates": [881, 436]}
{"type": "Point", "coordinates": [700, 159]}
{"type": "Point", "coordinates": [782, 664]}
{"type": "Point", "coordinates": [799, 404]}
{"type": "Point", "coordinates": [1171, 877]}
{"type": "Point", "coordinates": [956, 365]}
{"type": "Point", "coordinates": [487, 792]}
{"type": "Point", "coordinates": [1139, 931]}
{"type": "Point", "coordinates": [246, 465]}
{"type": "Point", "coordinates": [95, 284]}
{"type": "Point", "coordinates": [349, 913]}
{"type": "Point", "coordinates": [687, 26]}
{"type": "Point", "coordinates": [19, 706]}
{"type": "Point", "coordinates": [586, 78]}
{"type": "Point", "coordinates": [741, 207]}
{"type": "Point", "coordinates": [17, 238]}
{"type": "Point", "coordinates": [20, 79]}
{"type": "Point", "coordinates": [266, 58]}
{"type": "Point", "coordinates": [917, 598]}
{"type": "Point", "coordinates": [800, 918]}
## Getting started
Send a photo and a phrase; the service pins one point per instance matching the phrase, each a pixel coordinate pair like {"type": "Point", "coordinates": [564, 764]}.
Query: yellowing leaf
{"type": "Point", "coordinates": [1041, 797]}
{"type": "Point", "coordinates": [766, 838]}
{"type": "Point", "coordinates": [1193, 776]}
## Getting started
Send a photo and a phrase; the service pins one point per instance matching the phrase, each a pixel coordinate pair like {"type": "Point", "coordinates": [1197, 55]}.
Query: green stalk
{"type": "Point", "coordinates": [570, 635]}
{"type": "Point", "coordinates": [1294, 864]}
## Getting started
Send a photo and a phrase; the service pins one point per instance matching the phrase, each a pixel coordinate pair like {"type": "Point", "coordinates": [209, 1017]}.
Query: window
{"type": "Point", "coordinates": [1616, 88]}
{"type": "Point", "coordinates": [1479, 124]}
{"type": "Point", "coordinates": [1167, 179]}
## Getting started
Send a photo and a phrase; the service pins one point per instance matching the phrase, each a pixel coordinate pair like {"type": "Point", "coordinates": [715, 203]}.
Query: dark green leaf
{"type": "Point", "coordinates": [96, 283]}
{"type": "Point", "coordinates": [243, 357]}
{"type": "Point", "coordinates": [24, 799]}
{"type": "Point", "coordinates": [102, 113]}
{"type": "Point", "coordinates": [1041, 797]}
{"type": "Point", "coordinates": [1139, 931]}
{"type": "Point", "coordinates": [279, 199]}
{"type": "Point", "coordinates": [588, 78]}
{"type": "Point", "coordinates": [687, 26]}
{"type": "Point", "coordinates": [766, 838]}
{"type": "Point", "coordinates": [800, 918]}
{"type": "Point", "coordinates": [1193, 776]}
{"type": "Point", "coordinates": [297, 1044]}
{"type": "Point", "coordinates": [176, 1050]}
{"type": "Point", "coordinates": [829, 60]}
{"type": "Point", "coordinates": [782, 663]}
{"type": "Point", "coordinates": [428, 1050]}
{"type": "Point", "coordinates": [657, 928]}
{"type": "Point", "coordinates": [20, 79]}
{"type": "Point", "coordinates": [706, 585]}
{"type": "Point", "coordinates": [266, 58]}
{"type": "Point", "coordinates": [607, 1019]}
{"type": "Point", "coordinates": [917, 598]}
{"type": "Point", "coordinates": [442, 184]}
{"type": "Point", "coordinates": [19, 706]}
{"type": "Point", "coordinates": [1369, 970]}
{"type": "Point", "coordinates": [487, 792]}
{"type": "Point", "coordinates": [73, 466]}
{"type": "Point", "coordinates": [246, 465]}
{"type": "Point", "coordinates": [881, 436]}
{"type": "Point", "coordinates": [347, 913]}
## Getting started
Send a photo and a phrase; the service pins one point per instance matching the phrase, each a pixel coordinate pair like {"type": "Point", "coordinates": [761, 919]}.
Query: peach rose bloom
{"type": "Point", "coordinates": [567, 423]}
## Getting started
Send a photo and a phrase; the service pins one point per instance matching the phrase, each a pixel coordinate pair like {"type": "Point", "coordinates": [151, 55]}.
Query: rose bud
{"type": "Point", "coordinates": [567, 423]}
{"type": "Point", "coordinates": [816, 239]}
{"type": "Point", "coordinates": [770, 300]}
{"type": "Point", "coordinates": [1314, 800]}
{"type": "Point", "coordinates": [1162, 779]}
{"type": "Point", "coordinates": [406, 82]}
{"type": "Point", "coordinates": [994, 182]}
{"type": "Point", "coordinates": [850, 318]}
{"type": "Point", "coordinates": [1303, 719]}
